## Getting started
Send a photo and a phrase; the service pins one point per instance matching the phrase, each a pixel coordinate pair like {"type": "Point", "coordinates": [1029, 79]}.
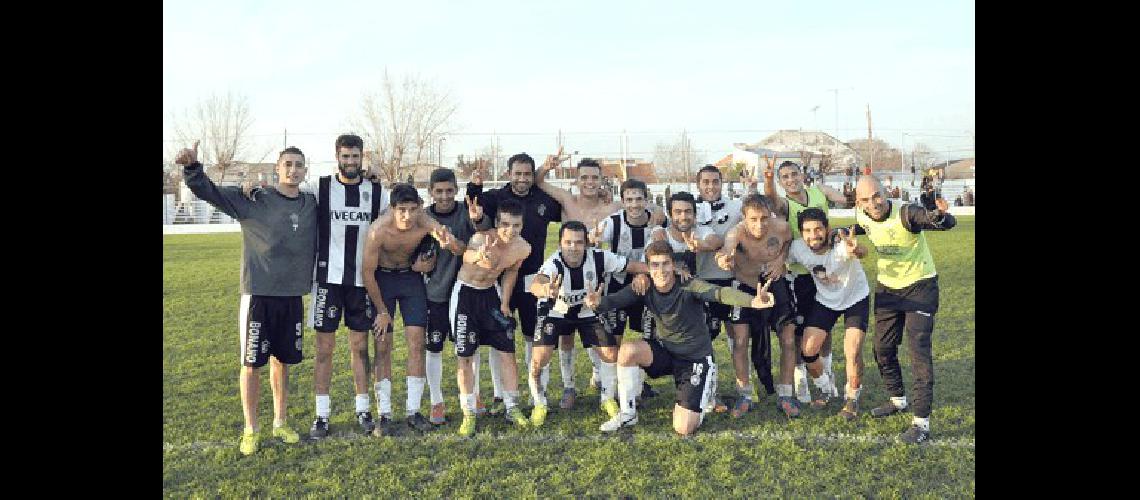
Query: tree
{"type": "Point", "coordinates": [675, 161]}
{"type": "Point", "coordinates": [921, 157]}
{"type": "Point", "coordinates": [222, 123]}
{"type": "Point", "coordinates": [886, 158]}
{"type": "Point", "coordinates": [400, 123]}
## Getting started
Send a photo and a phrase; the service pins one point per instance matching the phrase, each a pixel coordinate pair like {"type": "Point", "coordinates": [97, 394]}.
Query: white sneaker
{"type": "Point", "coordinates": [618, 421]}
{"type": "Point", "coordinates": [803, 392]}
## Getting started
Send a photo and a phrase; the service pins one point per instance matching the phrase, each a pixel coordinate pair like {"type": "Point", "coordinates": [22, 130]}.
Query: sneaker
{"type": "Point", "coordinates": [437, 416]}
{"type": "Point", "coordinates": [364, 418]}
{"type": "Point", "coordinates": [538, 415]}
{"type": "Point", "coordinates": [618, 421]}
{"type": "Point", "coordinates": [497, 407]}
{"type": "Point", "coordinates": [515, 416]}
{"type": "Point", "coordinates": [320, 428]}
{"type": "Point", "coordinates": [850, 409]}
{"type": "Point", "coordinates": [821, 401]}
{"type": "Point", "coordinates": [915, 435]}
{"type": "Point", "coordinates": [417, 422]}
{"type": "Point", "coordinates": [741, 407]}
{"type": "Point", "coordinates": [887, 410]}
{"type": "Point", "coordinates": [803, 388]}
{"type": "Point", "coordinates": [789, 405]}
{"type": "Point", "coordinates": [386, 427]}
{"type": "Point", "coordinates": [480, 408]}
{"type": "Point", "coordinates": [718, 405]}
{"type": "Point", "coordinates": [611, 407]}
{"type": "Point", "coordinates": [595, 382]}
{"type": "Point", "coordinates": [568, 397]}
{"type": "Point", "coordinates": [467, 428]}
{"type": "Point", "coordinates": [287, 434]}
{"type": "Point", "coordinates": [249, 442]}
{"type": "Point", "coordinates": [647, 391]}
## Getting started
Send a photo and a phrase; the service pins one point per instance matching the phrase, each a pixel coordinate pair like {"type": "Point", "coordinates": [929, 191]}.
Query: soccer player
{"type": "Point", "coordinates": [756, 249]}
{"type": "Point", "coordinates": [906, 295]}
{"type": "Point", "coordinates": [682, 346]}
{"type": "Point", "coordinates": [279, 242]}
{"type": "Point", "coordinates": [562, 283]}
{"type": "Point", "coordinates": [841, 289]}
{"type": "Point", "coordinates": [397, 251]}
{"type": "Point", "coordinates": [479, 316]}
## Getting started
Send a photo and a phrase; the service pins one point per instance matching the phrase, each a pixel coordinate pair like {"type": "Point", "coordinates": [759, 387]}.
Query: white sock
{"type": "Point", "coordinates": [922, 422]}
{"type": "Point", "coordinates": [475, 359]}
{"type": "Point", "coordinates": [362, 403]}
{"type": "Point", "coordinates": [415, 394]}
{"type": "Point", "coordinates": [468, 402]}
{"type": "Point", "coordinates": [746, 391]}
{"type": "Point", "coordinates": [823, 382]}
{"type": "Point", "coordinates": [628, 388]}
{"type": "Point", "coordinates": [899, 402]}
{"type": "Point", "coordinates": [281, 423]}
{"type": "Point", "coordinates": [730, 342]}
{"type": "Point", "coordinates": [784, 390]}
{"type": "Point", "coordinates": [434, 365]}
{"type": "Point", "coordinates": [324, 405]}
{"type": "Point", "coordinates": [510, 398]}
{"type": "Point", "coordinates": [854, 392]}
{"type": "Point", "coordinates": [608, 376]}
{"type": "Point", "coordinates": [537, 395]}
{"type": "Point", "coordinates": [545, 377]}
{"type": "Point", "coordinates": [496, 372]}
{"type": "Point", "coordinates": [595, 360]}
{"type": "Point", "coordinates": [383, 390]}
{"type": "Point", "coordinates": [566, 362]}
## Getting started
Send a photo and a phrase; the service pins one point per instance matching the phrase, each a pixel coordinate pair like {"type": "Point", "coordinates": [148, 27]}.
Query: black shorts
{"type": "Point", "coordinates": [715, 312]}
{"type": "Point", "coordinates": [774, 317]}
{"type": "Point", "coordinates": [695, 379]}
{"type": "Point", "coordinates": [803, 299]}
{"type": "Point", "coordinates": [590, 330]}
{"type": "Point", "coordinates": [439, 327]}
{"type": "Point", "coordinates": [471, 321]}
{"type": "Point", "coordinates": [634, 315]}
{"type": "Point", "coordinates": [331, 301]}
{"type": "Point", "coordinates": [270, 326]}
{"type": "Point", "coordinates": [856, 316]}
{"type": "Point", "coordinates": [526, 304]}
{"type": "Point", "coordinates": [407, 288]}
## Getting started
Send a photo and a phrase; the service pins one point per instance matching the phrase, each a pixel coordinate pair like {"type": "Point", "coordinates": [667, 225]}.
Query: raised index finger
{"type": "Point", "coordinates": [196, 146]}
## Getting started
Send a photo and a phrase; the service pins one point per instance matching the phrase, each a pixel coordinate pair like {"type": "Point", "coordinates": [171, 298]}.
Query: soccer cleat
{"type": "Point", "coordinates": [467, 428]}
{"type": "Point", "coordinates": [647, 391]}
{"type": "Point", "coordinates": [803, 390]}
{"type": "Point", "coordinates": [515, 416]}
{"type": "Point", "coordinates": [915, 435]}
{"type": "Point", "coordinates": [287, 434]}
{"type": "Point", "coordinates": [617, 422]}
{"type": "Point", "coordinates": [569, 396]}
{"type": "Point", "coordinates": [741, 407]}
{"type": "Point", "coordinates": [386, 427]}
{"type": "Point", "coordinates": [886, 410]}
{"type": "Point", "coordinates": [497, 407]}
{"type": "Point", "coordinates": [718, 405]}
{"type": "Point", "coordinates": [850, 409]}
{"type": "Point", "coordinates": [437, 416]}
{"type": "Point", "coordinates": [320, 428]}
{"type": "Point", "coordinates": [249, 442]}
{"type": "Point", "coordinates": [480, 408]}
{"type": "Point", "coordinates": [611, 407]}
{"type": "Point", "coordinates": [789, 405]}
{"type": "Point", "coordinates": [417, 422]}
{"type": "Point", "coordinates": [595, 382]}
{"type": "Point", "coordinates": [364, 418]}
{"type": "Point", "coordinates": [538, 415]}
{"type": "Point", "coordinates": [821, 401]}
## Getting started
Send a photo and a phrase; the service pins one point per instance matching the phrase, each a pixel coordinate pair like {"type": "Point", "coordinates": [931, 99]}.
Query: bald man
{"type": "Point", "coordinates": [906, 295]}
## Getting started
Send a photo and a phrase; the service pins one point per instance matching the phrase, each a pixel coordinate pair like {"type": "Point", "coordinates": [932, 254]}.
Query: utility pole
{"type": "Point", "coordinates": [870, 141]}
{"type": "Point", "coordinates": [836, 91]}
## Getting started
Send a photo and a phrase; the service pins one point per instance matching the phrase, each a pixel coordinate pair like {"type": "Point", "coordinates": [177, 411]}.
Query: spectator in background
{"type": "Point", "coordinates": [968, 197]}
{"type": "Point", "coordinates": [958, 201]}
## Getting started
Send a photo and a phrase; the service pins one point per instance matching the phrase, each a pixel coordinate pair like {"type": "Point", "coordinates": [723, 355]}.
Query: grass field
{"type": "Point", "coordinates": [761, 454]}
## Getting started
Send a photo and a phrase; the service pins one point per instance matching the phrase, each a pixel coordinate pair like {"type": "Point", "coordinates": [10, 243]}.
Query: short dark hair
{"type": "Point", "coordinates": [658, 248]}
{"type": "Point", "coordinates": [812, 213]}
{"type": "Point", "coordinates": [349, 141]}
{"type": "Point", "coordinates": [441, 175]}
{"type": "Point", "coordinates": [634, 184]}
{"type": "Point", "coordinates": [709, 168]}
{"type": "Point", "coordinates": [789, 163]}
{"type": "Point", "coordinates": [571, 225]}
{"type": "Point", "coordinates": [521, 158]}
{"type": "Point", "coordinates": [680, 196]}
{"type": "Point", "coordinates": [756, 201]}
{"type": "Point", "coordinates": [403, 193]}
{"type": "Point", "coordinates": [509, 206]}
{"type": "Point", "coordinates": [589, 162]}
{"type": "Point", "coordinates": [291, 150]}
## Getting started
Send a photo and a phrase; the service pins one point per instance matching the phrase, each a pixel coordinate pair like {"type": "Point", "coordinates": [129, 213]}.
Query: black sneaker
{"type": "Point", "coordinates": [915, 435]}
{"type": "Point", "coordinates": [887, 409]}
{"type": "Point", "coordinates": [647, 391]}
{"type": "Point", "coordinates": [364, 418]}
{"type": "Point", "coordinates": [386, 427]}
{"type": "Point", "coordinates": [320, 428]}
{"type": "Point", "coordinates": [418, 422]}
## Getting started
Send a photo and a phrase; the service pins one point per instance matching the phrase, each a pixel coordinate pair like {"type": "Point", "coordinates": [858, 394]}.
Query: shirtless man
{"type": "Point", "coordinates": [481, 316]}
{"type": "Point", "coordinates": [756, 249]}
{"type": "Point", "coordinates": [397, 251]}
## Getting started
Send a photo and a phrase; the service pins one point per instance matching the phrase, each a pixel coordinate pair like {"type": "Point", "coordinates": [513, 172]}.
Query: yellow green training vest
{"type": "Point", "coordinates": [816, 199]}
{"type": "Point", "coordinates": [904, 257]}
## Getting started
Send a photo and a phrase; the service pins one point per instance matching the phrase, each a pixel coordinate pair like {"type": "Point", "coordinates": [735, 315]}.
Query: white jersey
{"type": "Point", "coordinates": [576, 280]}
{"type": "Point", "coordinates": [679, 246]}
{"type": "Point", "coordinates": [839, 278]}
{"type": "Point", "coordinates": [626, 239]}
{"type": "Point", "coordinates": [720, 216]}
{"type": "Point", "coordinates": [345, 211]}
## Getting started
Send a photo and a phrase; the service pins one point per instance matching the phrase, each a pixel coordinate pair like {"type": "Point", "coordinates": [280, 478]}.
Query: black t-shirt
{"type": "Point", "coordinates": [539, 210]}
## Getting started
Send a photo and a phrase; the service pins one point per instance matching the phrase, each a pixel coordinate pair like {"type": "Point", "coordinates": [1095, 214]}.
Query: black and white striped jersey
{"type": "Point", "coordinates": [720, 216]}
{"type": "Point", "coordinates": [576, 280]}
{"type": "Point", "coordinates": [345, 212]}
{"type": "Point", "coordinates": [626, 239]}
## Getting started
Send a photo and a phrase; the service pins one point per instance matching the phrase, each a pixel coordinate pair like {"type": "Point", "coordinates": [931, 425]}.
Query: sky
{"type": "Point", "coordinates": [724, 72]}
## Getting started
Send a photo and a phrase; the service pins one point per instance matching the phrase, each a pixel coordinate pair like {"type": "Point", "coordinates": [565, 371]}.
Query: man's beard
{"type": "Point", "coordinates": [348, 175]}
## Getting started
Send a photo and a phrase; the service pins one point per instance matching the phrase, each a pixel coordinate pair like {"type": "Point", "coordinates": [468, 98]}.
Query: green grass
{"type": "Point", "coordinates": [761, 454]}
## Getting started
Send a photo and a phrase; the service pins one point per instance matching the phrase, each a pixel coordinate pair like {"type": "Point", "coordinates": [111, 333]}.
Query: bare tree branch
{"type": "Point", "coordinates": [222, 123]}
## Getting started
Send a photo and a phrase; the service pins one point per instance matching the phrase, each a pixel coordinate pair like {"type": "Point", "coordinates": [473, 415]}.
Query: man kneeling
{"type": "Point", "coordinates": [683, 346]}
